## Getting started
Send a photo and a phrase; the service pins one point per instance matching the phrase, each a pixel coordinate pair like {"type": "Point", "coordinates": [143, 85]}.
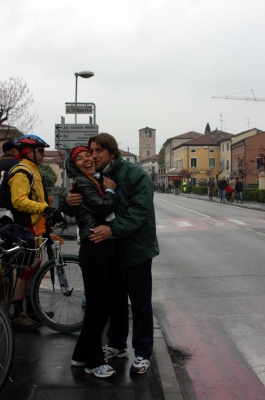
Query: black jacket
{"type": "Point", "coordinates": [7, 162]}
{"type": "Point", "coordinates": [222, 184]}
{"type": "Point", "coordinates": [94, 209]}
{"type": "Point", "coordinates": [239, 187]}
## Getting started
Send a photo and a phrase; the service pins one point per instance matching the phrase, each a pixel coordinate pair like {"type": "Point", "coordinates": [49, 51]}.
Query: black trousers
{"type": "Point", "coordinates": [100, 264]}
{"type": "Point", "coordinates": [137, 282]}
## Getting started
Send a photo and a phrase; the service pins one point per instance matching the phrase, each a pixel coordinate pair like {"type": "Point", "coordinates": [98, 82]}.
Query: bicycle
{"type": "Point", "coordinates": [15, 257]}
{"type": "Point", "coordinates": [58, 287]}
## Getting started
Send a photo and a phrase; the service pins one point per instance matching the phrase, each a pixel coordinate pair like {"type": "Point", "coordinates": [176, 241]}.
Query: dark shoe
{"type": "Point", "coordinates": [24, 323]}
{"type": "Point", "coordinates": [33, 316]}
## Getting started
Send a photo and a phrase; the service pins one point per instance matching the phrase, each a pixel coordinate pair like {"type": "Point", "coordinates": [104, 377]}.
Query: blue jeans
{"type": "Point", "coordinates": [222, 195]}
{"type": "Point", "coordinates": [239, 195]}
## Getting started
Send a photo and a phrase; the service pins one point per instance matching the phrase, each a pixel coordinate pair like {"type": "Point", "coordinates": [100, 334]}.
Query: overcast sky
{"type": "Point", "coordinates": [156, 63]}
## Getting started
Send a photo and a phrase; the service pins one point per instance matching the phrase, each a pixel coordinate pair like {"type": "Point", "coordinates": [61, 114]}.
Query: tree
{"type": "Point", "coordinates": [207, 128]}
{"type": "Point", "coordinates": [185, 173]}
{"type": "Point", "coordinates": [48, 175]}
{"type": "Point", "coordinates": [162, 156]}
{"type": "Point", "coordinates": [15, 100]}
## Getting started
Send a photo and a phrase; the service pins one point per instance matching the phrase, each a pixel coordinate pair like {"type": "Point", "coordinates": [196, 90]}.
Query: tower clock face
{"type": "Point", "coordinates": [148, 144]}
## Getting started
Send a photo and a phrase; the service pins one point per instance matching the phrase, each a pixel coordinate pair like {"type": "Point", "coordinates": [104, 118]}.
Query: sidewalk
{"type": "Point", "coordinates": [41, 369]}
{"type": "Point", "coordinates": [245, 204]}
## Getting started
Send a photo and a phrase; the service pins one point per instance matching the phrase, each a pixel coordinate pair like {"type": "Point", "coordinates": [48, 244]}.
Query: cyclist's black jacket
{"type": "Point", "coordinates": [94, 208]}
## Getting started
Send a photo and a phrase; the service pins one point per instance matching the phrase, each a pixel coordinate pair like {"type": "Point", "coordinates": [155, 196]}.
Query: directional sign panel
{"type": "Point", "coordinates": [76, 128]}
{"type": "Point", "coordinates": [59, 144]}
{"type": "Point", "coordinates": [78, 110]}
{"type": "Point", "coordinates": [68, 136]}
{"type": "Point", "coordinates": [74, 135]}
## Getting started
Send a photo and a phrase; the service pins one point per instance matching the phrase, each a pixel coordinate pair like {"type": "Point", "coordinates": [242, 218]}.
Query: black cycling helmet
{"type": "Point", "coordinates": [26, 142]}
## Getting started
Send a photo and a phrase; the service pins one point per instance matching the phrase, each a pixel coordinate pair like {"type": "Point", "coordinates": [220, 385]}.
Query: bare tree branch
{"type": "Point", "coordinates": [15, 100]}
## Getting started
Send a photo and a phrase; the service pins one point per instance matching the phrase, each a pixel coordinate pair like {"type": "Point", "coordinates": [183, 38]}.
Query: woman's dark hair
{"type": "Point", "coordinates": [106, 142]}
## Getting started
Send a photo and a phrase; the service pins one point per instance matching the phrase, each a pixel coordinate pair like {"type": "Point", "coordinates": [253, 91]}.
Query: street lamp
{"type": "Point", "coordinates": [83, 74]}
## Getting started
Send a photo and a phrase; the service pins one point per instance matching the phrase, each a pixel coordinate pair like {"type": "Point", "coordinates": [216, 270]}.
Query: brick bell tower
{"type": "Point", "coordinates": [147, 143]}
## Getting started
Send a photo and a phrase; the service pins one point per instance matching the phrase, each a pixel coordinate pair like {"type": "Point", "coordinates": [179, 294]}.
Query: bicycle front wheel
{"type": "Point", "coordinates": [7, 347]}
{"type": "Point", "coordinates": [46, 296]}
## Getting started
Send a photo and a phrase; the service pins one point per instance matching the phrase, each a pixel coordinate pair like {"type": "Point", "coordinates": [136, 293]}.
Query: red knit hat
{"type": "Point", "coordinates": [76, 150]}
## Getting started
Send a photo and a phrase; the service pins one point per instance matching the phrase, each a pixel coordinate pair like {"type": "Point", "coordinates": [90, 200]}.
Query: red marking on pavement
{"type": "Point", "coordinates": [217, 369]}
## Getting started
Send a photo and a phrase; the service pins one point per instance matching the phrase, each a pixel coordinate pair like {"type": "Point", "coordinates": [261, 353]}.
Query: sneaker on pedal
{"type": "Point", "coordinates": [140, 365]}
{"type": "Point", "coordinates": [24, 323]}
{"type": "Point", "coordinates": [104, 371]}
{"type": "Point", "coordinates": [110, 352]}
{"type": "Point", "coordinates": [33, 316]}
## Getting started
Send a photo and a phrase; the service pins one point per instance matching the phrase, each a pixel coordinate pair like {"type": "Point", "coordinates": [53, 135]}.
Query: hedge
{"type": "Point", "coordinates": [248, 193]}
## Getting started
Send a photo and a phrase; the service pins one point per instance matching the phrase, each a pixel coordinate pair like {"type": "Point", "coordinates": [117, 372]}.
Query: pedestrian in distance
{"type": "Point", "coordinates": [135, 227]}
{"type": "Point", "coordinates": [7, 160]}
{"type": "Point", "coordinates": [28, 205]}
{"type": "Point", "coordinates": [239, 190]}
{"type": "Point", "coordinates": [222, 187]}
{"type": "Point", "coordinates": [94, 259]}
{"type": "Point", "coordinates": [211, 188]}
{"type": "Point", "coordinates": [229, 192]}
{"type": "Point", "coordinates": [232, 183]}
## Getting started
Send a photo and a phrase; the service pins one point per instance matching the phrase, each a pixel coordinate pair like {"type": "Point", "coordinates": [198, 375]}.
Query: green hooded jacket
{"type": "Point", "coordinates": [135, 224]}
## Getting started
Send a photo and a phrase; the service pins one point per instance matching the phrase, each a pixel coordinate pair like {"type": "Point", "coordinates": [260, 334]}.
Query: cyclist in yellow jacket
{"type": "Point", "coordinates": [28, 205]}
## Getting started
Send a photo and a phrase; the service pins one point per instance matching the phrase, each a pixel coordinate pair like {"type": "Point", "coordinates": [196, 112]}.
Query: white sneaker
{"type": "Point", "coordinates": [104, 371]}
{"type": "Point", "coordinates": [78, 363]}
{"type": "Point", "coordinates": [110, 352]}
{"type": "Point", "coordinates": [140, 365]}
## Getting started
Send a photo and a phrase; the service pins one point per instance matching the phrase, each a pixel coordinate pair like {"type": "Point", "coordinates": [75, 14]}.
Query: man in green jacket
{"type": "Point", "coordinates": [135, 227]}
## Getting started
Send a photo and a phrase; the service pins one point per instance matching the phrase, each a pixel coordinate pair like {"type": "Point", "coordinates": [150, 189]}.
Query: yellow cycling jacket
{"type": "Point", "coordinates": [20, 191]}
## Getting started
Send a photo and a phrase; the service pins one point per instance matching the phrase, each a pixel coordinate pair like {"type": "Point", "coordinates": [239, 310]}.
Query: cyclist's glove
{"type": "Point", "coordinates": [55, 215]}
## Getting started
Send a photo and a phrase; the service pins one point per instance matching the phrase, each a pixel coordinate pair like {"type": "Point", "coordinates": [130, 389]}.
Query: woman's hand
{"type": "Point", "coordinates": [109, 184]}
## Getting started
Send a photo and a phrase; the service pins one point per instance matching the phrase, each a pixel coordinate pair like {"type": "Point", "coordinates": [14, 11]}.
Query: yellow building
{"type": "Point", "coordinates": [200, 157]}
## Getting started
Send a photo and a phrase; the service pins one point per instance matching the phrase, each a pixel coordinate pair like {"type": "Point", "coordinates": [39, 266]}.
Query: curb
{"type": "Point", "coordinates": [166, 370]}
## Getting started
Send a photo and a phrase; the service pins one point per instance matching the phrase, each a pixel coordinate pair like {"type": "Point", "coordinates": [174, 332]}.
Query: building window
{"type": "Point", "coordinates": [227, 164]}
{"type": "Point", "coordinates": [211, 162]}
{"type": "Point", "coordinates": [211, 151]}
{"type": "Point", "coordinates": [193, 162]}
{"type": "Point", "coordinates": [148, 152]}
{"type": "Point", "coordinates": [193, 151]}
{"type": "Point", "coordinates": [227, 146]}
{"type": "Point", "coordinates": [127, 159]}
{"type": "Point", "coordinates": [148, 133]}
{"type": "Point", "coordinates": [259, 163]}
{"type": "Point", "coordinates": [222, 147]}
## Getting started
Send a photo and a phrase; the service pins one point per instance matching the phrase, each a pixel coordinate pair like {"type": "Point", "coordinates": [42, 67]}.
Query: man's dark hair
{"type": "Point", "coordinates": [106, 142]}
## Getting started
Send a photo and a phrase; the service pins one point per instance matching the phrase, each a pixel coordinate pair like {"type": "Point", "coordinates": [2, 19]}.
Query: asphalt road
{"type": "Point", "coordinates": [209, 295]}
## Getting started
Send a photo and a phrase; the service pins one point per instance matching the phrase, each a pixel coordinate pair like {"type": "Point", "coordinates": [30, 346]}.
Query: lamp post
{"type": "Point", "coordinates": [83, 74]}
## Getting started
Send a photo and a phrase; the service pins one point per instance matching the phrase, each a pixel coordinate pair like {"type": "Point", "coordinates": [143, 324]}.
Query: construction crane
{"type": "Point", "coordinates": [233, 97]}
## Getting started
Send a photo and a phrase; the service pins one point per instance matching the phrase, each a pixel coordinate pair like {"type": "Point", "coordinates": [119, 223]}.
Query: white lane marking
{"type": "Point", "coordinates": [183, 208]}
{"type": "Point", "coordinates": [183, 224]}
{"type": "Point", "coordinates": [212, 222]}
{"type": "Point", "coordinates": [237, 221]}
{"type": "Point", "coordinates": [160, 226]}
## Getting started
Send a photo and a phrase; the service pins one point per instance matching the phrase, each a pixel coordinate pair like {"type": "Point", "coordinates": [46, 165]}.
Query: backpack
{"type": "Point", "coordinates": [10, 234]}
{"type": "Point", "coordinates": [5, 195]}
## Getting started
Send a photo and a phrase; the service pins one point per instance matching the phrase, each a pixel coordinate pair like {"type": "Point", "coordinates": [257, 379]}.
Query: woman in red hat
{"type": "Point", "coordinates": [99, 204]}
